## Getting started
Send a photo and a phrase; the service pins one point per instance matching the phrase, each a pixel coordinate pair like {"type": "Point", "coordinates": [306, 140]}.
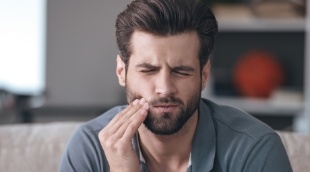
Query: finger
{"type": "Point", "coordinates": [121, 130]}
{"type": "Point", "coordinates": [121, 114]}
{"type": "Point", "coordinates": [124, 118]}
{"type": "Point", "coordinates": [135, 123]}
{"type": "Point", "coordinates": [108, 132]}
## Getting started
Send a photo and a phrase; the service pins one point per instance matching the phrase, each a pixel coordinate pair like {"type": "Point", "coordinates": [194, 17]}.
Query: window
{"type": "Point", "coordinates": [22, 46]}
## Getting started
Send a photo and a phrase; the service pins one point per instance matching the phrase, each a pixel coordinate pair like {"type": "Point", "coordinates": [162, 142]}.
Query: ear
{"type": "Point", "coordinates": [205, 74]}
{"type": "Point", "coordinates": [120, 71]}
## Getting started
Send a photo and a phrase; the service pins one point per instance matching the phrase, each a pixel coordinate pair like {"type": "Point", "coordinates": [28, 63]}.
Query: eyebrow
{"type": "Point", "coordinates": [184, 68]}
{"type": "Point", "coordinates": [146, 65]}
{"type": "Point", "coordinates": [181, 67]}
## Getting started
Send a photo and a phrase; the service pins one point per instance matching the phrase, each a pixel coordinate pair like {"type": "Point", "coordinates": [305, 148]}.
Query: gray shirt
{"type": "Point", "coordinates": [226, 139]}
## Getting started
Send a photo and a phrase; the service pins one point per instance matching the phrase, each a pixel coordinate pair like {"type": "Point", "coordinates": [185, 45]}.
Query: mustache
{"type": "Point", "coordinates": [153, 102]}
{"type": "Point", "coordinates": [166, 100]}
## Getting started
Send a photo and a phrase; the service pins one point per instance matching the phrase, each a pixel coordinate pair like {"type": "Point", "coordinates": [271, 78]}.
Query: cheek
{"type": "Point", "coordinates": [189, 88]}
{"type": "Point", "coordinates": [139, 85]}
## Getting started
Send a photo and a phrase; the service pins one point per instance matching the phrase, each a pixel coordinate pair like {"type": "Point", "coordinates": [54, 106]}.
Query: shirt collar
{"type": "Point", "coordinates": [142, 160]}
{"type": "Point", "coordinates": [204, 143]}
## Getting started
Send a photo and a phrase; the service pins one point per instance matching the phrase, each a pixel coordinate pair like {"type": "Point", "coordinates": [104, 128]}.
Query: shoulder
{"type": "Point", "coordinates": [83, 150]}
{"type": "Point", "coordinates": [97, 124]}
{"type": "Point", "coordinates": [234, 120]}
{"type": "Point", "coordinates": [244, 142]}
{"type": "Point", "coordinates": [88, 132]}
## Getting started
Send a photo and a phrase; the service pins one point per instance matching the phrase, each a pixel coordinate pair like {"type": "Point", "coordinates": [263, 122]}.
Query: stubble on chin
{"type": "Point", "coordinates": [167, 123]}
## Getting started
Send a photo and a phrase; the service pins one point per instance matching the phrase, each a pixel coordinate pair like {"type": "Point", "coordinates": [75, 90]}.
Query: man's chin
{"type": "Point", "coordinates": [163, 131]}
{"type": "Point", "coordinates": [163, 123]}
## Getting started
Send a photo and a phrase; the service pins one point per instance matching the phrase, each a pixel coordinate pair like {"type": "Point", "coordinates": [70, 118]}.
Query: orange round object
{"type": "Point", "coordinates": [258, 74]}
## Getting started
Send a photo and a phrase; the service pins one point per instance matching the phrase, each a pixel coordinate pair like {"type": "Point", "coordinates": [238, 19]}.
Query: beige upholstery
{"type": "Point", "coordinates": [298, 148]}
{"type": "Point", "coordinates": [38, 147]}
{"type": "Point", "coordinates": [33, 147]}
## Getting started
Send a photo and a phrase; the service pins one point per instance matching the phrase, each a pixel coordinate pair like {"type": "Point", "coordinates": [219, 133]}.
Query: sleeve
{"type": "Point", "coordinates": [267, 155]}
{"type": "Point", "coordinates": [83, 154]}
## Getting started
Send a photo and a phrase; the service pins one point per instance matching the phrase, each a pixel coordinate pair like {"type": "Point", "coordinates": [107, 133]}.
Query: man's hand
{"type": "Point", "coordinates": [116, 137]}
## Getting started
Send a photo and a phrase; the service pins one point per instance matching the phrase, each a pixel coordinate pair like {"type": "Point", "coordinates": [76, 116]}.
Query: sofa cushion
{"type": "Point", "coordinates": [298, 149]}
{"type": "Point", "coordinates": [38, 147]}
{"type": "Point", "coordinates": [33, 147]}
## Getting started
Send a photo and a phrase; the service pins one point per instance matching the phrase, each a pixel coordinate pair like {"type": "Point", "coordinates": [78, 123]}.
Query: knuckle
{"type": "Point", "coordinates": [102, 135]}
{"type": "Point", "coordinates": [109, 144]}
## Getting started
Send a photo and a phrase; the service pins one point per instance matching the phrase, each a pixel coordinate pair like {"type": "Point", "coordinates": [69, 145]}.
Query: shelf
{"type": "Point", "coordinates": [286, 34]}
{"type": "Point", "coordinates": [261, 106]}
{"type": "Point", "coordinates": [256, 24]}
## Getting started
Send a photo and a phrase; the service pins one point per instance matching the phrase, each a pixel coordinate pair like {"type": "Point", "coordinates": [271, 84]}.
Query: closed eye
{"type": "Point", "coordinates": [183, 70]}
{"type": "Point", "coordinates": [148, 70]}
{"type": "Point", "coordinates": [182, 73]}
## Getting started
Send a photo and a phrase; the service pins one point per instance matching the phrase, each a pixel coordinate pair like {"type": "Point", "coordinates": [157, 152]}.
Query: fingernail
{"type": "Point", "coordinates": [146, 106]}
{"type": "Point", "coordinates": [142, 101]}
{"type": "Point", "coordinates": [135, 102]}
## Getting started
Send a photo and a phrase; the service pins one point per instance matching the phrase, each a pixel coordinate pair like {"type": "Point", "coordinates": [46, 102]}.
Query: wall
{"type": "Point", "coordinates": [81, 53]}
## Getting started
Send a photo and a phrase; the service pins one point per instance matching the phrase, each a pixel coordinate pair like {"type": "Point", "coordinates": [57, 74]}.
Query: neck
{"type": "Point", "coordinates": [168, 153]}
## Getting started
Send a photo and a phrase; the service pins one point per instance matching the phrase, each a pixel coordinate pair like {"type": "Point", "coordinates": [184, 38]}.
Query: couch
{"type": "Point", "coordinates": [38, 147]}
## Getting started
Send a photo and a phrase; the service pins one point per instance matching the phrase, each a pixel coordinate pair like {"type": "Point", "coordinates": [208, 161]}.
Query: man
{"type": "Point", "coordinates": [163, 65]}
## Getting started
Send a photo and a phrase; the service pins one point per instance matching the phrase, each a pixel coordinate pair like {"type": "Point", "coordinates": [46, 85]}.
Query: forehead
{"type": "Point", "coordinates": [179, 48]}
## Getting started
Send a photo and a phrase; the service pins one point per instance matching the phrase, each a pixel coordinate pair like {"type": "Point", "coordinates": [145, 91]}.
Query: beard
{"type": "Point", "coordinates": [167, 123]}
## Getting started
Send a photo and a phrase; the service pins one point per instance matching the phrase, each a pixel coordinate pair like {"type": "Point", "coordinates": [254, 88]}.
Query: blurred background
{"type": "Point", "coordinates": [58, 59]}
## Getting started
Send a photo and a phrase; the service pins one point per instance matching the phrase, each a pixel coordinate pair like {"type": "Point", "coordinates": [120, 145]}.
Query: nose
{"type": "Point", "coordinates": [165, 85]}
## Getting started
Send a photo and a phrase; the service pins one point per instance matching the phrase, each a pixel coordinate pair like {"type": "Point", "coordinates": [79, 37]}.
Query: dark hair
{"type": "Point", "coordinates": [163, 18]}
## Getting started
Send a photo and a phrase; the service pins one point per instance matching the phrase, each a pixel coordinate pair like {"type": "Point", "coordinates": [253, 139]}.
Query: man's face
{"type": "Point", "coordinates": [165, 72]}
